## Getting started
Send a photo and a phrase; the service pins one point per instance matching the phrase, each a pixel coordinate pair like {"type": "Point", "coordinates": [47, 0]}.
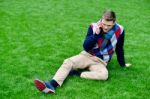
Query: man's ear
{"type": "Point", "coordinates": [114, 23]}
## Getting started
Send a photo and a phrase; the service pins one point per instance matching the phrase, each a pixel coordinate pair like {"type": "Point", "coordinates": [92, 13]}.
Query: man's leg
{"type": "Point", "coordinates": [63, 71]}
{"type": "Point", "coordinates": [96, 72]}
{"type": "Point", "coordinates": [76, 62]}
{"type": "Point", "coordinates": [61, 74]}
{"type": "Point", "coordinates": [79, 61]}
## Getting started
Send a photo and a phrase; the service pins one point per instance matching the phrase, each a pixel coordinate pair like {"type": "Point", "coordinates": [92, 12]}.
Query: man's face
{"type": "Point", "coordinates": [107, 25]}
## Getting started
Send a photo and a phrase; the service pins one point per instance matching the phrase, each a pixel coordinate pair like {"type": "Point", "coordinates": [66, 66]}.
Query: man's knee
{"type": "Point", "coordinates": [103, 75]}
{"type": "Point", "coordinates": [67, 63]}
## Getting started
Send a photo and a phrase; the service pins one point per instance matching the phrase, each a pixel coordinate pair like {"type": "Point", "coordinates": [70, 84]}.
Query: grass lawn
{"type": "Point", "coordinates": [37, 35]}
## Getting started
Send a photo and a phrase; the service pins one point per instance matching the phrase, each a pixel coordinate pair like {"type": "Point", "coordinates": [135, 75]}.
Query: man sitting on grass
{"type": "Point", "coordinates": [103, 39]}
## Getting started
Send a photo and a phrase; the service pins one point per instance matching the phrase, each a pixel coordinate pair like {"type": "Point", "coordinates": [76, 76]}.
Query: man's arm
{"type": "Point", "coordinates": [120, 49]}
{"type": "Point", "coordinates": [90, 40]}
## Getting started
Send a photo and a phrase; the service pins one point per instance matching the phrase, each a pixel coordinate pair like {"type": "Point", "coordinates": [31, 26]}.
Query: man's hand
{"type": "Point", "coordinates": [99, 25]}
{"type": "Point", "coordinates": [127, 65]}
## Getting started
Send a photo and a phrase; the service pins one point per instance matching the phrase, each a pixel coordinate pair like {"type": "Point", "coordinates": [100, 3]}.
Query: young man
{"type": "Point", "coordinates": [103, 39]}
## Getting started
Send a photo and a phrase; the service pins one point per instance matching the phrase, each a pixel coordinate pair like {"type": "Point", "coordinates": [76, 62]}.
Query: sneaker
{"type": "Point", "coordinates": [45, 87]}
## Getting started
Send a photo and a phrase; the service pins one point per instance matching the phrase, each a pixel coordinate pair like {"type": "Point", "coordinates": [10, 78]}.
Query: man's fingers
{"type": "Point", "coordinates": [127, 64]}
{"type": "Point", "coordinates": [99, 24]}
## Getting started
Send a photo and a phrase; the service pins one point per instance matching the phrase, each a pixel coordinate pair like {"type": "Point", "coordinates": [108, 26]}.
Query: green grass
{"type": "Point", "coordinates": [37, 35]}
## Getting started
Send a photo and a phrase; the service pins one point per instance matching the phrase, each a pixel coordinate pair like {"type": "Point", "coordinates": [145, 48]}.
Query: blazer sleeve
{"type": "Point", "coordinates": [90, 39]}
{"type": "Point", "coordinates": [120, 49]}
